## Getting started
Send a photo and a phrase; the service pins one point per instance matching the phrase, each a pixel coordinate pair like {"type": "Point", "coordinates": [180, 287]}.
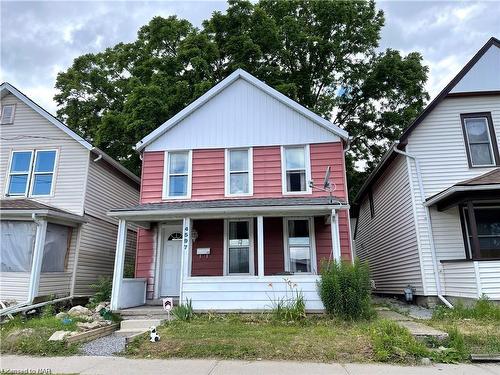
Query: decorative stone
{"type": "Point", "coordinates": [59, 335]}
{"type": "Point", "coordinates": [425, 362]}
{"type": "Point", "coordinates": [79, 311]}
{"type": "Point", "coordinates": [101, 306]}
{"type": "Point", "coordinates": [61, 315]}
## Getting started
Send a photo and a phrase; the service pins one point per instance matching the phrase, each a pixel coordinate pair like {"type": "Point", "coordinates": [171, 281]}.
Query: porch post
{"type": "Point", "coordinates": [476, 253]}
{"type": "Point", "coordinates": [186, 249]}
{"type": "Point", "coordinates": [36, 268]}
{"type": "Point", "coordinates": [121, 242]}
{"type": "Point", "coordinates": [334, 227]}
{"type": "Point", "coordinates": [260, 245]}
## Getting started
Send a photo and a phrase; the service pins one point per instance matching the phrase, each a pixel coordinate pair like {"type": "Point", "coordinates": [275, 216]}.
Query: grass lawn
{"type": "Point", "coordinates": [30, 336]}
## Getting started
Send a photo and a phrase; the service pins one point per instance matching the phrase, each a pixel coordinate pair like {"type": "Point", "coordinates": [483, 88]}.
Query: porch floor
{"type": "Point", "coordinates": [143, 312]}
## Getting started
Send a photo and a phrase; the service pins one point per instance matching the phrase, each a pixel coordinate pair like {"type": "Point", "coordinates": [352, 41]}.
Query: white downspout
{"type": "Point", "coordinates": [429, 224]}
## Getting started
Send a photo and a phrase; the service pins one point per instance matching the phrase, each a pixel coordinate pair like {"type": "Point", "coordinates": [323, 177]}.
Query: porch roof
{"type": "Point", "coordinates": [483, 187]}
{"type": "Point", "coordinates": [14, 207]}
{"type": "Point", "coordinates": [220, 207]}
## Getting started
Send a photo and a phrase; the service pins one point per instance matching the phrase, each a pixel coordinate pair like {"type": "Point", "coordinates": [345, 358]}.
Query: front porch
{"type": "Point", "coordinates": [240, 260]}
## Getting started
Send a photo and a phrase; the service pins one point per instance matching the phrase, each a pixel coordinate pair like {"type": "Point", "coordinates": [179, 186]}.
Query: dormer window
{"type": "Point", "coordinates": [31, 173]}
{"type": "Point", "coordinates": [479, 135]}
{"type": "Point", "coordinates": [8, 114]}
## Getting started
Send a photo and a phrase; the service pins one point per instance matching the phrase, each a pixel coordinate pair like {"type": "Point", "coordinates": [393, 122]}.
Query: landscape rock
{"type": "Point", "coordinates": [61, 315]}
{"type": "Point", "coordinates": [100, 306]}
{"type": "Point", "coordinates": [79, 311]}
{"type": "Point", "coordinates": [18, 334]}
{"type": "Point", "coordinates": [425, 362]}
{"type": "Point", "coordinates": [59, 335]}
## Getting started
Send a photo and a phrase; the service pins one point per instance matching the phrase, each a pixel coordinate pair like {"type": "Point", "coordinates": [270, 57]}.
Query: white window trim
{"type": "Point", "coordinates": [165, 192]}
{"type": "Point", "coordinates": [250, 248]}
{"type": "Point", "coordinates": [31, 173]}
{"type": "Point", "coordinates": [307, 157]}
{"type": "Point", "coordinates": [11, 119]}
{"type": "Point", "coordinates": [492, 153]}
{"type": "Point", "coordinates": [227, 180]}
{"type": "Point", "coordinates": [312, 239]}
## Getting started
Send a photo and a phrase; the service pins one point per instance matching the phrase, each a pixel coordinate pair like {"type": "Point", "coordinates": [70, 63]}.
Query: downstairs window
{"type": "Point", "coordinates": [483, 231]}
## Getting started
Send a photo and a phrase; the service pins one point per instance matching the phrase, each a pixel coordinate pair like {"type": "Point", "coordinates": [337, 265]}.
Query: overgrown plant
{"type": "Point", "coordinates": [483, 308]}
{"type": "Point", "coordinates": [290, 307]}
{"type": "Point", "coordinates": [103, 288]}
{"type": "Point", "coordinates": [345, 289]}
{"type": "Point", "coordinates": [184, 312]}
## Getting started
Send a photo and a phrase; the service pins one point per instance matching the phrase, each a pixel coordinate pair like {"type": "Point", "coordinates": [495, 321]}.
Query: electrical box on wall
{"type": "Point", "coordinates": [203, 251]}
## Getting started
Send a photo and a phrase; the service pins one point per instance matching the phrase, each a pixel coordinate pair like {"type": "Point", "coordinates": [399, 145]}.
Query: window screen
{"type": "Point", "coordinates": [17, 243]}
{"type": "Point", "coordinates": [55, 248]}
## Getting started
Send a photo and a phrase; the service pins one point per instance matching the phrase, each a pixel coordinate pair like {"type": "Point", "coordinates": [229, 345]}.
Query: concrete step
{"type": "Point", "coordinates": [159, 302]}
{"type": "Point", "coordinates": [139, 324]}
{"type": "Point", "coordinates": [143, 312]}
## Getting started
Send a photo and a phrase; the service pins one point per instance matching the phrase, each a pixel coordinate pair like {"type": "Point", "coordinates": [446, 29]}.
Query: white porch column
{"type": "Point", "coordinates": [36, 267]}
{"type": "Point", "coordinates": [334, 227]}
{"type": "Point", "coordinates": [260, 245]}
{"type": "Point", "coordinates": [121, 242]}
{"type": "Point", "coordinates": [186, 250]}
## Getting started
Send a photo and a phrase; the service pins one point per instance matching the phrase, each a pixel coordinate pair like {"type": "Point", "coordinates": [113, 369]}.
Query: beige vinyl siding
{"type": "Point", "coordinates": [107, 189]}
{"type": "Point", "coordinates": [388, 241]}
{"type": "Point", "coordinates": [96, 257]}
{"type": "Point", "coordinates": [59, 283]}
{"type": "Point", "coordinates": [70, 175]}
{"type": "Point", "coordinates": [439, 145]}
{"type": "Point", "coordinates": [14, 286]}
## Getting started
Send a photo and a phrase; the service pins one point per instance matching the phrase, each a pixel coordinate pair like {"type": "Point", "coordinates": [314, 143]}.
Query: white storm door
{"type": "Point", "coordinates": [171, 268]}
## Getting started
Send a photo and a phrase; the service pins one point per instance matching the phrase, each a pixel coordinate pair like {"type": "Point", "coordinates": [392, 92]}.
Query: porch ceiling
{"type": "Point", "coordinates": [230, 207]}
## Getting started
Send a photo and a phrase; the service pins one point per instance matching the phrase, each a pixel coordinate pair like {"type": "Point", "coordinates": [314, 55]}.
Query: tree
{"type": "Point", "coordinates": [322, 54]}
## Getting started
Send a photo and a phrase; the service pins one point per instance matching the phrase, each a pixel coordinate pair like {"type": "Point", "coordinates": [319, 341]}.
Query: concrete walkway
{"type": "Point", "coordinates": [125, 366]}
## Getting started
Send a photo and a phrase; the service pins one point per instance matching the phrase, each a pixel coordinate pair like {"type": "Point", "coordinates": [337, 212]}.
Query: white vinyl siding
{"type": "Point", "coordinates": [242, 115]}
{"type": "Point", "coordinates": [70, 176]}
{"type": "Point", "coordinates": [14, 286]}
{"type": "Point", "coordinates": [388, 241]}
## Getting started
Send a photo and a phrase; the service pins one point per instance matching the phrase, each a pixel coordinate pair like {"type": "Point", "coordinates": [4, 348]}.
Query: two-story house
{"type": "Point", "coordinates": [237, 204]}
{"type": "Point", "coordinates": [56, 189]}
{"type": "Point", "coordinates": [429, 214]}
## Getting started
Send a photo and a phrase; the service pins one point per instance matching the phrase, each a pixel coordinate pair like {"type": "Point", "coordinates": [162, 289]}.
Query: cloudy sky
{"type": "Point", "coordinates": [39, 39]}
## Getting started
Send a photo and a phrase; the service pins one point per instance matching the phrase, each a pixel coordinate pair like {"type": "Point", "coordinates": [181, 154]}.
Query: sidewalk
{"type": "Point", "coordinates": [124, 366]}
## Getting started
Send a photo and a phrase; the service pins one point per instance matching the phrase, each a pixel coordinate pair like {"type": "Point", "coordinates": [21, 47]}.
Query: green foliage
{"type": "Point", "coordinates": [129, 269]}
{"type": "Point", "coordinates": [48, 311]}
{"type": "Point", "coordinates": [322, 54]}
{"type": "Point", "coordinates": [451, 350]}
{"type": "Point", "coordinates": [184, 312]}
{"type": "Point", "coordinates": [392, 343]}
{"type": "Point", "coordinates": [345, 289]}
{"type": "Point", "coordinates": [103, 289]}
{"type": "Point", "coordinates": [30, 336]}
{"type": "Point", "coordinates": [482, 309]}
{"type": "Point", "coordinates": [290, 307]}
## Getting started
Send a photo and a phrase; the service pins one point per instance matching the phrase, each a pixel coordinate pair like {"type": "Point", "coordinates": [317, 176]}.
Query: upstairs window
{"type": "Point", "coordinates": [178, 175]}
{"type": "Point", "coordinates": [239, 172]}
{"type": "Point", "coordinates": [482, 149]}
{"type": "Point", "coordinates": [31, 168]}
{"type": "Point", "coordinates": [7, 116]}
{"type": "Point", "coordinates": [296, 169]}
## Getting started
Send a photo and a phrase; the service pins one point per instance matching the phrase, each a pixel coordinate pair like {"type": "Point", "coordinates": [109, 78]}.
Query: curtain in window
{"type": "Point", "coordinates": [17, 243]}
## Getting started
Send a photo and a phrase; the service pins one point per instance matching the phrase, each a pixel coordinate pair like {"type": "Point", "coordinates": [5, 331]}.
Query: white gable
{"type": "Point", "coordinates": [242, 115]}
{"type": "Point", "coordinates": [484, 75]}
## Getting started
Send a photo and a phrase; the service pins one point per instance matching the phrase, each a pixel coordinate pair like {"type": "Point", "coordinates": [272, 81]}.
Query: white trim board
{"type": "Point", "coordinates": [237, 74]}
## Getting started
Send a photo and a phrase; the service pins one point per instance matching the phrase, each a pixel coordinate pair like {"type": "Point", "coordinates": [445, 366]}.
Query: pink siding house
{"type": "Point", "coordinates": [241, 192]}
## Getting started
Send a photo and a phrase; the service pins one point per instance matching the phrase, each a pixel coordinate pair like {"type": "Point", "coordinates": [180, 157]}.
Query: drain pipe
{"type": "Point", "coordinates": [429, 225]}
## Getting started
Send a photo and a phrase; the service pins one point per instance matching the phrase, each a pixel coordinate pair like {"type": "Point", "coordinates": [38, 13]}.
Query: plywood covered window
{"type": "Point", "coordinates": [177, 182]}
{"type": "Point", "coordinates": [479, 135]}
{"type": "Point", "coordinates": [31, 173]}
{"type": "Point", "coordinates": [296, 169]}
{"type": "Point", "coordinates": [239, 172]}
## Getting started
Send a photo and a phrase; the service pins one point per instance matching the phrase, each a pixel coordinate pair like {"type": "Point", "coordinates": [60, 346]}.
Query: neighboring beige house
{"type": "Point", "coordinates": [56, 239]}
{"type": "Point", "coordinates": [429, 215]}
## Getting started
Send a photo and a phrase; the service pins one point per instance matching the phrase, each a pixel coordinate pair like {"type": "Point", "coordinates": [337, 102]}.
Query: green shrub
{"type": "Point", "coordinates": [184, 312]}
{"type": "Point", "coordinates": [129, 270]}
{"type": "Point", "coordinates": [345, 289]}
{"type": "Point", "coordinates": [48, 311]}
{"type": "Point", "coordinates": [482, 309]}
{"type": "Point", "coordinates": [392, 343]}
{"type": "Point", "coordinates": [103, 289]}
{"type": "Point", "coordinates": [451, 350]}
{"type": "Point", "coordinates": [290, 307]}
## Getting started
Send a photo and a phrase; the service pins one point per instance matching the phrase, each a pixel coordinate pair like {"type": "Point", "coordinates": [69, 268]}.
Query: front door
{"type": "Point", "coordinates": [171, 264]}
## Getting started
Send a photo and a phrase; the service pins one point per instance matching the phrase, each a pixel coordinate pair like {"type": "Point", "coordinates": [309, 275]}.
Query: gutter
{"type": "Point", "coordinates": [458, 189]}
{"type": "Point", "coordinates": [428, 222]}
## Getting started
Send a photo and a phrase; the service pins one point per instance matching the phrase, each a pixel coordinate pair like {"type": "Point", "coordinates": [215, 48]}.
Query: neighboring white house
{"type": "Point", "coordinates": [56, 239]}
{"type": "Point", "coordinates": [429, 215]}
